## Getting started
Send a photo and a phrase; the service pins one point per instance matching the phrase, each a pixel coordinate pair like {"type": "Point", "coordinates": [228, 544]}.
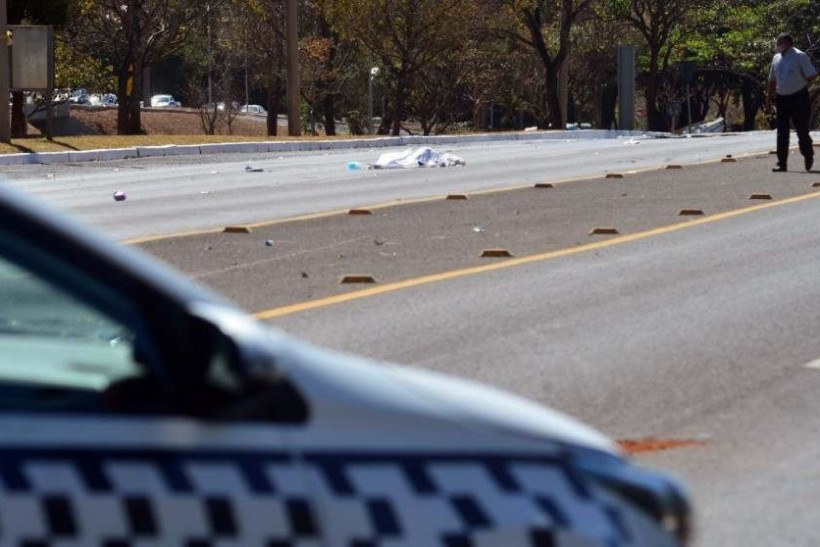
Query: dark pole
{"type": "Point", "coordinates": [626, 87]}
{"type": "Point", "coordinates": [294, 76]}
{"type": "Point", "coordinates": [5, 128]}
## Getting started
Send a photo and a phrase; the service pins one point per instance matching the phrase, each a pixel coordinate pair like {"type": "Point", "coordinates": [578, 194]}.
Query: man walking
{"type": "Point", "coordinates": [791, 73]}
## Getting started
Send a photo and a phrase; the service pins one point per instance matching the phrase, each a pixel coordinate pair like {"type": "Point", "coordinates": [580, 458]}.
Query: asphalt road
{"type": "Point", "coordinates": [701, 333]}
{"type": "Point", "coordinates": [180, 194]}
{"type": "Point", "coordinates": [290, 262]}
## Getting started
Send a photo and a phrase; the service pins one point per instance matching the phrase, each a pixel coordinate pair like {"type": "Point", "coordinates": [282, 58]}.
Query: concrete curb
{"type": "Point", "coordinates": [47, 158]}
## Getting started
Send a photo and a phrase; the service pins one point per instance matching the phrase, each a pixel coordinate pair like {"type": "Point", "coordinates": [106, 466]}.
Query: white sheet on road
{"type": "Point", "coordinates": [420, 157]}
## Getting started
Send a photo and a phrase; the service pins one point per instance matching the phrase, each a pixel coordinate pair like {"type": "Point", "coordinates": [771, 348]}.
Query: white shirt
{"type": "Point", "coordinates": [790, 71]}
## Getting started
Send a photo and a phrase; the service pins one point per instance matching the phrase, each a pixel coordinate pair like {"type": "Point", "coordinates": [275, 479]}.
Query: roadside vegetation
{"type": "Point", "coordinates": [443, 65]}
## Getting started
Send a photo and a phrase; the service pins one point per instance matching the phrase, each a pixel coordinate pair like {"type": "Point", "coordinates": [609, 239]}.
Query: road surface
{"type": "Point", "coordinates": [168, 195]}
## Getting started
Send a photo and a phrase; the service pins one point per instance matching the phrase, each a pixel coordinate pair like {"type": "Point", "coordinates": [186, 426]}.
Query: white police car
{"type": "Point", "coordinates": [137, 409]}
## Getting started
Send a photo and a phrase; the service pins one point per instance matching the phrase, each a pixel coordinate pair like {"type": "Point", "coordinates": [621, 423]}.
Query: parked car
{"type": "Point", "coordinates": [254, 109]}
{"type": "Point", "coordinates": [139, 408]}
{"type": "Point", "coordinates": [164, 101]}
{"type": "Point", "coordinates": [79, 96]}
{"type": "Point", "coordinates": [222, 105]}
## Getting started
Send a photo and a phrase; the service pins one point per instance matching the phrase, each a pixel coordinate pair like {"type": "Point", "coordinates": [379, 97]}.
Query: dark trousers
{"type": "Point", "coordinates": [794, 109]}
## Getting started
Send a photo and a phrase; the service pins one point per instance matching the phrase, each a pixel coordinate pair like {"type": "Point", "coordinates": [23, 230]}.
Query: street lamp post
{"type": "Point", "coordinates": [373, 73]}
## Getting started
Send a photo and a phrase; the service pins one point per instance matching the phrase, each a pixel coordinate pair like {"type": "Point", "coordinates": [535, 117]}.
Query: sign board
{"type": "Point", "coordinates": [32, 58]}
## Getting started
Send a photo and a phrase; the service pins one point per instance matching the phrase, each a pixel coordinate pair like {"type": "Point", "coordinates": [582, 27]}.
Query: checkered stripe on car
{"type": "Point", "coordinates": [106, 498]}
{"type": "Point", "coordinates": [465, 502]}
{"type": "Point", "coordinates": [114, 498]}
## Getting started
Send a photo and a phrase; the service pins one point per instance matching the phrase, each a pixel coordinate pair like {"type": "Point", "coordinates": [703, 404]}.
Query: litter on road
{"type": "Point", "coordinates": [120, 196]}
{"type": "Point", "coordinates": [249, 169]}
{"type": "Point", "coordinates": [420, 157]}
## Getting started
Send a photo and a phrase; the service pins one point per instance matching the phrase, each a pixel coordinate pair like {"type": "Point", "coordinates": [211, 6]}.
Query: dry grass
{"type": "Point", "coordinates": [95, 142]}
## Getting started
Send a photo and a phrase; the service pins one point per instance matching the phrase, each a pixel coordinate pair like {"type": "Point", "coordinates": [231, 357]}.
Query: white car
{"type": "Point", "coordinates": [137, 408]}
{"type": "Point", "coordinates": [164, 101]}
{"type": "Point", "coordinates": [254, 109]}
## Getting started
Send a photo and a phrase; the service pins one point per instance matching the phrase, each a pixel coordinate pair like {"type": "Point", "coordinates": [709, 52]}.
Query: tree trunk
{"type": "Point", "coordinates": [330, 114]}
{"type": "Point", "coordinates": [654, 119]}
{"type": "Point", "coordinates": [556, 118]}
{"type": "Point", "coordinates": [129, 115]}
{"type": "Point", "coordinates": [751, 104]}
{"type": "Point", "coordinates": [398, 105]}
{"type": "Point", "coordinates": [19, 123]}
{"type": "Point", "coordinates": [274, 98]}
{"type": "Point", "coordinates": [386, 125]}
{"type": "Point", "coordinates": [479, 116]}
{"type": "Point", "coordinates": [609, 101]}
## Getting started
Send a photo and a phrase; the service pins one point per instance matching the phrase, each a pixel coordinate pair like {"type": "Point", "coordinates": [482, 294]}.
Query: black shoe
{"type": "Point", "coordinates": [781, 168]}
{"type": "Point", "coordinates": [809, 163]}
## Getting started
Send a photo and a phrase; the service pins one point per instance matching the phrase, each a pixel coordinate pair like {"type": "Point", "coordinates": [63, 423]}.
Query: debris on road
{"type": "Point", "coordinates": [420, 157]}
{"type": "Point", "coordinates": [657, 445]}
{"type": "Point", "coordinates": [478, 230]}
{"type": "Point", "coordinates": [353, 166]}
{"type": "Point", "coordinates": [205, 193]}
{"type": "Point", "coordinates": [120, 196]}
{"type": "Point", "coordinates": [716, 126]}
{"type": "Point", "coordinates": [249, 169]}
{"type": "Point", "coordinates": [268, 243]}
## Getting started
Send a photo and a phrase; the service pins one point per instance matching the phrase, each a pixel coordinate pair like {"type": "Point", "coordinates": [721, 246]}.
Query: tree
{"type": "Point", "coordinates": [263, 48]}
{"type": "Point", "coordinates": [328, 63]}
{"type": "Point", "coordinates": [664, 26]}
{"type": "Point", "coordinates": [545, 26]}
{"type": "Point", "coordinates": [593, 67]}
{"type": "Point", "coordinates": [405, 36]}
{"type": "Point", "coordinates": [136, 34]}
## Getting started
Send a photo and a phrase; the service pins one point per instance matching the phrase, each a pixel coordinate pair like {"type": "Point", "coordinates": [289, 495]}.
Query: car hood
{"type": "Point", "coordinates": [345, 389]}
{"type": "Point", "coordinates": [499, 410]}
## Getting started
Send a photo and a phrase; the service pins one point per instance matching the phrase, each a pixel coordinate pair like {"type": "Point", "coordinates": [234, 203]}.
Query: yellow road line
{"type": "Point", "coordinates": [414, 201]}
{"type": "Point", "coordinates": [455, 274]}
